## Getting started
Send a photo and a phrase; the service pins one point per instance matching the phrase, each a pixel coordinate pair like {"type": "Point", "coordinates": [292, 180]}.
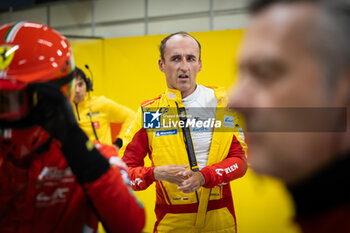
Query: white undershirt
{"type": "Point", "coordinates": [201, 104]}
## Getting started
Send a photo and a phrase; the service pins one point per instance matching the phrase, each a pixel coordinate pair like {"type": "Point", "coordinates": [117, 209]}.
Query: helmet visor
{"type": "Point", "coordinates": [13, 101]}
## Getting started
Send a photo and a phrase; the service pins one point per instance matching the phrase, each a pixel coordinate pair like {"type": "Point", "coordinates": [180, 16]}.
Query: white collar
{"type": "Point", "coordinates": [194, 96]}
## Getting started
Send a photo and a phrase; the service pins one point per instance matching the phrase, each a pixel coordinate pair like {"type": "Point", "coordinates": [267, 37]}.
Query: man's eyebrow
{"type": "Point", "coordinates": [175, 56]}
{"type": "Point", "coordinates": [187, 56]}
{"type": "Point", "coordinates": [273, 63]}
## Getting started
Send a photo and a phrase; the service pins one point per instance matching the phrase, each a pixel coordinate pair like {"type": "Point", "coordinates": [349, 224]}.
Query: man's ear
{"type": "Point", "coordinates": [200, 65]}
{"type": "Point", "coordinates": [161, 65]}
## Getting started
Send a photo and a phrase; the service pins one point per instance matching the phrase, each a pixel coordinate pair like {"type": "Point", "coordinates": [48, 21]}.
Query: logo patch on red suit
{"type": "Point", "coordinates": [96, 124]}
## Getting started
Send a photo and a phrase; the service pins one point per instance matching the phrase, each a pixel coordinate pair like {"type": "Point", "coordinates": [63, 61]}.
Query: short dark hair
{"type": "Point", "coordinates": [259, 5]}
{"type": "Point", "coordinates": [80, 73]}
{"type": "Point", "coordinates": [163, 43]}
{"type": "Point", "coordinates": [328, 37]}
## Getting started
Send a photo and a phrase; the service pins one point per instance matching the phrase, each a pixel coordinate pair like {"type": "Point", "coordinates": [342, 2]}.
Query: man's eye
{"type": "Point", "coordinates": [191, 59]}
{"type": "Point", "coordinates": [175, 59]}
{"type": "Point", "coordinates": [264, 73]}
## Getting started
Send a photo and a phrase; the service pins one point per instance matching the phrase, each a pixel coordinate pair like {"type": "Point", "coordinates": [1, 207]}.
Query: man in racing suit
{"type": "Point", "coordinates": [197, 199]}
{"type": "Point", "coordinates": [53, 179]}
{"type": "Point", "coordinates": [96, 113]}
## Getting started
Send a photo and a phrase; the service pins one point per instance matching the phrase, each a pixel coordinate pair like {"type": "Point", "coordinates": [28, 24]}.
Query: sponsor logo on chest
{"type": "Point", "coordinates": [53, 186]}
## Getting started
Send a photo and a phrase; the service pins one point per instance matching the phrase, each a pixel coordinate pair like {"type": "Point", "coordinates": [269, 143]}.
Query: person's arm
{"type": "Point", "coordinates": [135, 150]}
{"type": "Point", "coordinates": [111, 199]}
{"type": "Point", "coordinates": [133, 153]}
{"type": "Point", "coordinates": [233, 167]}
{"type": "Point", "coordinates": [118, 113]}
{"type": "Point", "coordinates": [117, 211]}
{"type": "Point", "coordinates": [103, 185]}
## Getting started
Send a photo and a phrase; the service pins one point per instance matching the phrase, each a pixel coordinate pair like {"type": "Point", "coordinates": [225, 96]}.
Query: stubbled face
{"type": "Point", "coordinates": [80, 90]}
{"type": "Point", "coordinates": [277, 69]}
{"type": "Point", "coordinates": [181, 64]}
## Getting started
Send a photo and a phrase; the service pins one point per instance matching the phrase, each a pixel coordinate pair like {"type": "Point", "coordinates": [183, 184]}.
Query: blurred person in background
{"type": "Point", "coordinates": [53, 179]}
{"type": "Point", "coordinates": [296, 54]}
{"type": "Point", "coordinates": [95, 114]}
{"type": "Point", "coordinates": [198, 198]}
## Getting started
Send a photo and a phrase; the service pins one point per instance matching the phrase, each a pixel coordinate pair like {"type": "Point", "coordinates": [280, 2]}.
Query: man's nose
{"type": "Point", "coordinates": [184, 66]}
{"type": "Point", "coordinates": [77, 89]}
{"type": "Point", "coordinates": [241, 100]}
{"type": "Point", "coordinates": [237, 97]}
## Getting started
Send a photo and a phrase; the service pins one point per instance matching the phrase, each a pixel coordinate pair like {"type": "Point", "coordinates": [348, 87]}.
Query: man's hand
{"type": "Point", "coordinates": [194, 181]}
{"type": "Point", "coordinates": [171, 173]}
{"type": "Point", "coordinates": [53, 111]}
{"type": "Point", "coordinates": [118, 143]}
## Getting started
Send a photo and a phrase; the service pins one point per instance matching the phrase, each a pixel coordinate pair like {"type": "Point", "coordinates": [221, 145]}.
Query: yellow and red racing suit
{"type": "Point", "coordinates": [175, 210]}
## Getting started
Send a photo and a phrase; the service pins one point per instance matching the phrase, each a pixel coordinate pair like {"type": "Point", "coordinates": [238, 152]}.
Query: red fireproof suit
{"type": "Point", "coordinates": [46, 197]}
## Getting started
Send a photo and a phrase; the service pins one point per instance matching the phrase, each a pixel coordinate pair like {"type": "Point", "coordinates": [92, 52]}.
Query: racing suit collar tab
{"type": "Point", "coordinates": [173, 94]}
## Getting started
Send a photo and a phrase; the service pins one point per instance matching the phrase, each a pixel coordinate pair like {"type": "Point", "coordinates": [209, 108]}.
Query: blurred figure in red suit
{"type": "Point", "coordinates": [53, 179]}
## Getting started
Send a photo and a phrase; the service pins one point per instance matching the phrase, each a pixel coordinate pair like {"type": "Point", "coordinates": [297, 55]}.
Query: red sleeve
{"type": "Point", "coordinates": [140, 177]}
{"type": "Point", "coordinates": [233, 167]}
{"type": "Point", "coordinates": [114, 201]}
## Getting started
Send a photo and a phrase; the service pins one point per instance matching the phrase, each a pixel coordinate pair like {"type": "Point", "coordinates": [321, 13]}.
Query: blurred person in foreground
{"type": "Point", "coordinates": [96, 113]}
{"type": "Point", "coordinates": [53, 179]}
{"type": "Point", "coordinates": [191, 165]}
{"type": "Point", "coordinates": [296, 54]}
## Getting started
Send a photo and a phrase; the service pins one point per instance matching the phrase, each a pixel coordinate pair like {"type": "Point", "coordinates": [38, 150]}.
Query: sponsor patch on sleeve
{"type": "Point", "coordinates": [229, 121]}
